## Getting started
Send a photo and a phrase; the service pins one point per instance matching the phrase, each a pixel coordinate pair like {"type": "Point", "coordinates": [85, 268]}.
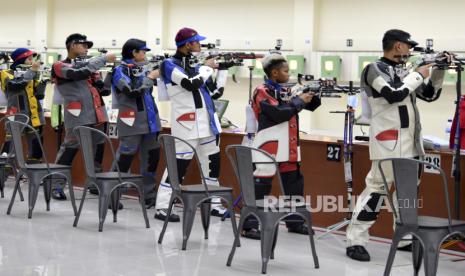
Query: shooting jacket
{"type": "Point", "coordinates": [395, 129]}
{"type": "Point", "coordinates": [191, 91]}
{"type": "Point", "coordinates": [81, 87]}
{"type": "Point", "coordinates": [278, 124]}
{"type": "Point", "coordinates": [138, 113]}
{"type": "Point", "coordinates": [24, 92]}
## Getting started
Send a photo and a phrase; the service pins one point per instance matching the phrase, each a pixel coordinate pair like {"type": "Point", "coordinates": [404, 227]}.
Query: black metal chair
{"type": "Point", "coordinates": [243, 162]}
{"type": "Point", "coordinates": [107, 183]}
{"type": "Point", "coordinates": [42, 173]}
{"type": "Point", "coordinates": [428, 232]}
{"type": "Point", "coordinates": [8, 160]}
{"type": "Point", "coordinates": [191, 195]}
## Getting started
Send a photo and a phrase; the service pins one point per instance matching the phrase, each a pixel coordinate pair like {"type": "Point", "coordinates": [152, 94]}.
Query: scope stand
{"type": "Point", "coordinates": [349, 118]}
{"type": "Point", "coordinates": [456, 160]}
{"type": "Point", "coordinates": [456, 171]}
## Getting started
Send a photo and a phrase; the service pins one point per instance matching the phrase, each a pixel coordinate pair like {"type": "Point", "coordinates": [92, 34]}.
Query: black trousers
{"type": "Point", "coordinates": [293, 184]}
{"type": "Point", "coordinates": [70, 147]}
{"type": "Point", "coordinates": [34, 152]}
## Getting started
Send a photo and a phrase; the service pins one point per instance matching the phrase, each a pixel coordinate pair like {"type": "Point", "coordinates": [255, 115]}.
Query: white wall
{"type": "Point", "coordinates": [365, 21]}
{"type": "Point", "coordinates": [240, 24]}
{"type": "Point", "coordinates": [101, 21]}
{"type": "Point", "coordinates": [17, 21]}
{"type": "Point", "coordinates": [325, 23]}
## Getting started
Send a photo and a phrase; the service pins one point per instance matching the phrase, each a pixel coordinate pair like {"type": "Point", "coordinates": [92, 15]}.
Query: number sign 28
{"type": "Point", "coordinates": [434, 159]}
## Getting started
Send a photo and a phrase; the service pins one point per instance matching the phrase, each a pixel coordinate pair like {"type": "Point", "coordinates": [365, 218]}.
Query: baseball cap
{"type": "Point", "coordinates": [399, 35]}
{"type": "Point", "coordinates": [79, 38]}
{"type": "Point", "coordinates": [20, 55]}
{"type": "Point", "coordinates": [131, 45]}
{"type": "Point", "coordinates": [186, 35]}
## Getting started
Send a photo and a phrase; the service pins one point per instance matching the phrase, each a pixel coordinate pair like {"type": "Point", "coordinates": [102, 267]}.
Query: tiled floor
{"type": "Point", "coordinates": [48, 245]}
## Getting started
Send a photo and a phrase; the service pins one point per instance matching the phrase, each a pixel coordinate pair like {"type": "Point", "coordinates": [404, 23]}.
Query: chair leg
{"type": "Point", "coordinates": [311, 235]}
{"type": "Point", "coordinates": [20, 192]}
{"type": "Point", "coordinates": [18, 179]}
{"type": "Point", "coordinates": [71, 193]}
{"type": "Point", "coordinates": [187, 221]}
{"type": "Point", "coordinates": [431, 254]}
{"type": "Point", "coordinates": [141, 192]}
{"type": "Point", "coordinates": [236, 242]}
{"type": "Point", "coordinates": [114, 197]}
{"type": "Point", "coordinates": [392, 252]}
{"type": "Point", "coordinates": [417, 255]}
{"type": "Point", "coordinates": [240, 227]}
{"type": "Point", "coordinates": [2, 181]}
{"type": "Point", "coordinates": [33, 193]}
{"type": "Point", "coordinates": [103, 201]}
{"type": "Point", "coordinates": [205, 208]}
{"type": "Point", "coordinates": [267, 236]}
{"type": "Point", "coordinates": [76, 218]}
{"type": "Point", "coordinates": [47, 185]}
{"type": "Point", "coordinates": [233, 220]}
{"type": "Point", "coordinates": [230, 201]}
{"type": "Point", "coordinates": [233, 249]}
{"type": "Point", "coordinates": [16, 173]}
{"type": "Point", "coordinates": [274, 242]}
{"type": "Point", "coordinates": [165, 223]}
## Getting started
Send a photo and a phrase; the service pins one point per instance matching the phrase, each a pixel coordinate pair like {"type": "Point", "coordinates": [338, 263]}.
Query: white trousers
{"type": "Point", "coordinates": [205, 147]}
{"type": "Point", "coordinates": [368, 203]}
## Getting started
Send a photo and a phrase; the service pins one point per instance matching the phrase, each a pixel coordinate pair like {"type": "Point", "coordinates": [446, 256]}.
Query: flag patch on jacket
{"type": "Point", "coordinates": [186, 117]}
{"type": "Point", "coordinates": [74, 108]}
{"type": "Point", "coordinates": [128, 117]}
{"type": "Point", "coordinates": [388, 138]}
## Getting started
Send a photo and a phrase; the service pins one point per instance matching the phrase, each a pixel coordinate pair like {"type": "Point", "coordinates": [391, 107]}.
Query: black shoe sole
{"type": "Point", "coordinates": [358, 259]}
{"type": "Point", "coordinates": [215, 213]}
{"type": "Point", "coordinates": [149, 206]}
{"type": "Point", "coordinates": [255, 236]}
{"type": "Point", "coordinates": [407, 248]}
{"type": "Point", "coordinates": [299, 231]}
{"type": "Point", "coordinates": [353, 256]}
{"type": "Point", "coordinates": [61, 198]}
{"type": "Point", "coordinates": [120, 206]}
{"type": "Point", "coordinates": [162, 218]}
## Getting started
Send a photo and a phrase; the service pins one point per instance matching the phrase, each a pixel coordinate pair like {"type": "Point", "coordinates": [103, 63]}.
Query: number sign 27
{"type": "Point", "coordinates": [333, 152]}
{"type": "Point", "coordinates": [112, 131]}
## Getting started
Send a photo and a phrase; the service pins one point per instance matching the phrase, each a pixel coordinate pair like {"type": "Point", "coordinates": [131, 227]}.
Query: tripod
{"type": "Point", "coordinates": [348, 155]}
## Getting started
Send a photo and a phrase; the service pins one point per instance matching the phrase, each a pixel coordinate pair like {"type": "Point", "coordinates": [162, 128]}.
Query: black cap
{"type": "Point", "coordinates": [78, 38]}
{"type": "Point", "coordinates": [131, 45]}
{"type": "Point", "coordinates": [398, 35]}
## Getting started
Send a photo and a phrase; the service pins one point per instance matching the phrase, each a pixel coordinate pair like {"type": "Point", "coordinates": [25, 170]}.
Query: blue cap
{"type": "Point", "coordinates": [131, 45]}
{"type": "Point", "coordinates": [20, 55]}
{"type": "Point", "coordinates": [186, 35]}
{"type": "Point", "coordinates": [145, 48]}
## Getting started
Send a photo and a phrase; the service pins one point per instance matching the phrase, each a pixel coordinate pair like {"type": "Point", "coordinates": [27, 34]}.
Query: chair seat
{"type": "Point", "coordinates": [200, 188]}
{"type": "Point", "coordinates": [435, 222]}
{"type": "Point", "coordinates": [43, 166]}
{"type": "Point", "coordinates": [291, 203]}
{"type": "Point", "coordinates": [114, 175]}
